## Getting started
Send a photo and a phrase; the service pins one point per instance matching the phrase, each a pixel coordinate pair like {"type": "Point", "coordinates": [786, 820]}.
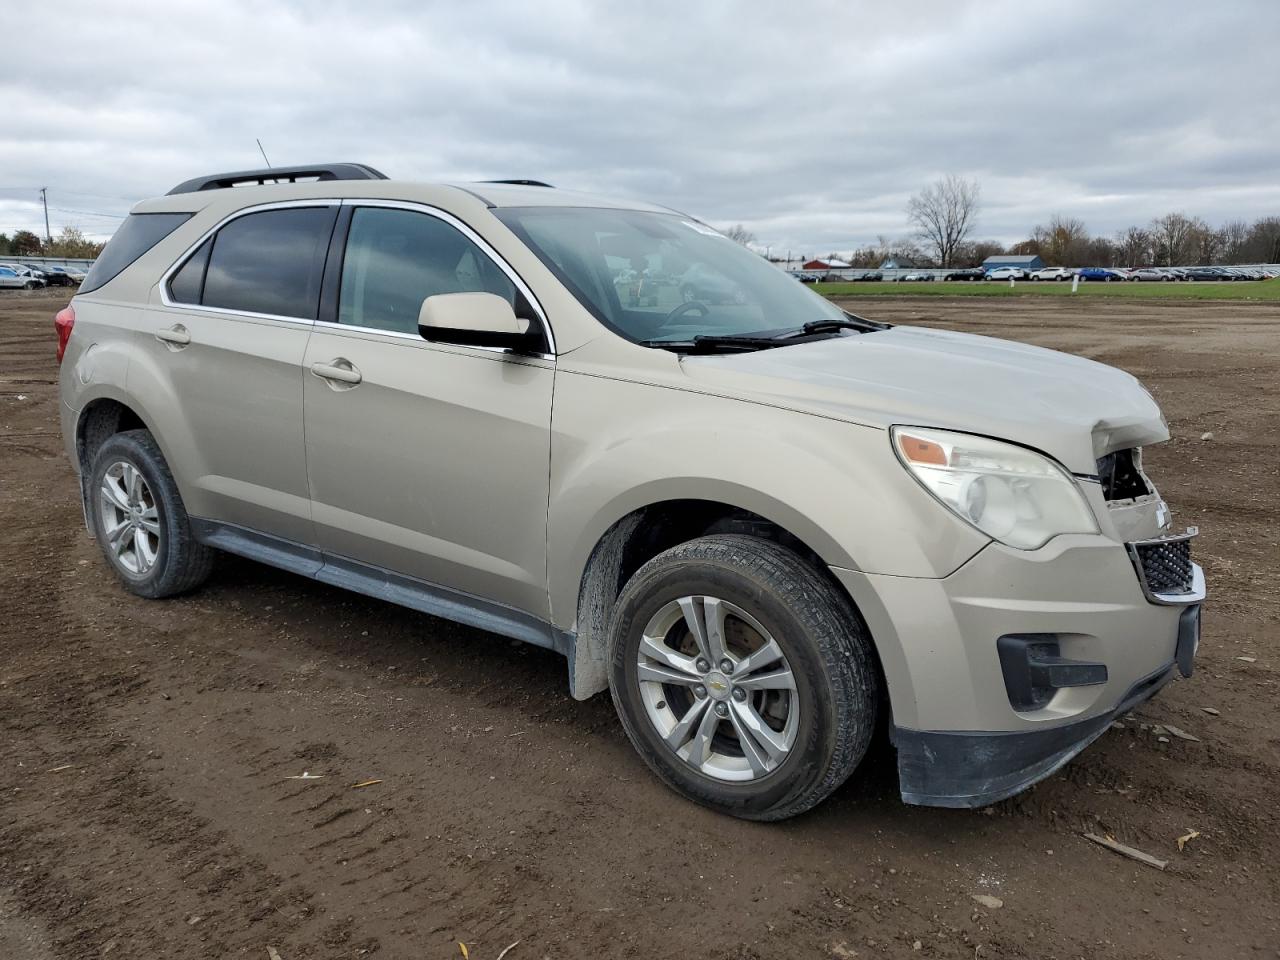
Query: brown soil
{"type": "Point", "coordinates": [145, 746]}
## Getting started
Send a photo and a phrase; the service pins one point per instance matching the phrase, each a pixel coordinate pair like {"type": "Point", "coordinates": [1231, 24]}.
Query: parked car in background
{"type": "Point", "coordinates": [53, 276]}
{"type": "Point", "coordinates": [916, 276]}
{"type": "Point", "coordinates": [1007, 273]}
{"type": "Point", "coordinates": [1150, 274]}
{"type": "Point", "coordinates": [22, 270]}
{"type": "Point", "coordinates": [1207, 273]}
{"type": "Point", "coordinates": [769, 528]}
{"type": "Point", "coordinates": [869, 276]}
{"type": "Point", "coordinates": [1052, 273]}
{"type": "Point", "coordinates": [1103, 274]}
{"type": "Point", "coordinates": [12, 280]}
{"type": "Point", "coordinates": [966, 273]}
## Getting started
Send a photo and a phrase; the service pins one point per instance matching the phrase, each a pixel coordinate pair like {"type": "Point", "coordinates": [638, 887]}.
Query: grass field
{"type": "Point", "coordinates": [1244, 290]}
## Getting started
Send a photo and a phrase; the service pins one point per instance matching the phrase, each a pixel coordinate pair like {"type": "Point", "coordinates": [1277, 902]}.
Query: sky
{"type": "Point", "coordinates": [812, 124]}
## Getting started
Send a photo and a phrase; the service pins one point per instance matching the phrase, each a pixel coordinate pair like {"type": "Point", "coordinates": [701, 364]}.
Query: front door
{"type": "Point", "coordinates": [425, 459]}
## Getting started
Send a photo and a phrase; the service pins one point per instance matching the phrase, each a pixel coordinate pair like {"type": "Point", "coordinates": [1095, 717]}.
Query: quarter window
{"type": "Point", "coordinates": [188, 283]}
{"type": "Point", "coordinates": [269, 262]}
{"type": "Point", "coordinates": [395, 259]}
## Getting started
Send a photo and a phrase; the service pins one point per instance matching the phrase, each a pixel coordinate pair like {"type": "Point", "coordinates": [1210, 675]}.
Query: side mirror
{"type": "Point", "coordinates": [472, 319]}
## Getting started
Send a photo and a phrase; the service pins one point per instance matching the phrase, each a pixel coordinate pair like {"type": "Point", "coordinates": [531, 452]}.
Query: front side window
{"type": "Point", "coordinates": [655, 277]}
{"type": "Point", "coordinates": [269, 262]}
{"type": "Point", "coordinates": [395, 259]}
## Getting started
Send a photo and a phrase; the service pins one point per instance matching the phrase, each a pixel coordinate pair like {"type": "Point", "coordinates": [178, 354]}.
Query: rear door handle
{"type": "Point", "coordinates": [340, 370]}
{"type": "Point", "coordinates": [176, 335]}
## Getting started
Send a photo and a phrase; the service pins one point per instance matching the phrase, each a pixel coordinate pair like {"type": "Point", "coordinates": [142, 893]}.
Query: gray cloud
{"type": "Point", "coordinates": [810, 123]}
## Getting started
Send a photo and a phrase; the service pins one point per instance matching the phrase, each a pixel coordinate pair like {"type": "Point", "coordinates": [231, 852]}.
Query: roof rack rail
{"type": "Point", "coordinates": [522, 183]}
{"type": "Point", "coordinates": [316, 171]}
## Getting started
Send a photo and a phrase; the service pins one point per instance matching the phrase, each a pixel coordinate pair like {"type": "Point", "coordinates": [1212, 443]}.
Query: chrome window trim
{"type": "Point", "coordinates": [416, 338]}
{"type": "Point", "coordinates": [178, 264]}
{"type": "Point", "coordinates": [485, 247]}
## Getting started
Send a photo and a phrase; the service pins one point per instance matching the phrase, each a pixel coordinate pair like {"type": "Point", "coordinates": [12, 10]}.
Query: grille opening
{"type": "Point", "coordinates": [1120, 473]}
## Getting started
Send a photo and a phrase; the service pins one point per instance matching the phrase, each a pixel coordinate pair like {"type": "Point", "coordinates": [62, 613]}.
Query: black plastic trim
{"type": "Point", "coordinates": [1034, 669]}
{"type": "Point", "coordinates": [974, 769]}
{"type": "Point", "coordinates": [373, 581]}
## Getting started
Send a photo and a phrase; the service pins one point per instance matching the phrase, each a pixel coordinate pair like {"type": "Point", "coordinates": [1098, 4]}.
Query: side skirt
{"type": "Point", "coordinates": [439, 601]}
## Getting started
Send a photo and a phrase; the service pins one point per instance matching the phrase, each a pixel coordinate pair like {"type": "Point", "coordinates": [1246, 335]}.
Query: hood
{"type": "Point", "coordinates": [1074, 409]}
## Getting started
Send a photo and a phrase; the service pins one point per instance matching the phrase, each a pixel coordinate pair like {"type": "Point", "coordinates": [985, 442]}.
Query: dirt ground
{"type": "Point", "coordinates": [145, 747]}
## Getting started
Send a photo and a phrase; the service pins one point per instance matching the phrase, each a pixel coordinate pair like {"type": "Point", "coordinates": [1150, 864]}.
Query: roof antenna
{"type": "Point", "coordinates": [261, 151]}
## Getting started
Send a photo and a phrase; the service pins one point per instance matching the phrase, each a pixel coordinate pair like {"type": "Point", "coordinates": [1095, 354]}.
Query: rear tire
{"type": "Point", "coordinates": [761, 594]}
{"type": "Point", "coordinates": [140, 521]}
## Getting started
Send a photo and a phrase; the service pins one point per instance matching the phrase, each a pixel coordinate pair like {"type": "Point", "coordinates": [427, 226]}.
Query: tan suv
{"type": "Point", "coordinates": [764, 524]}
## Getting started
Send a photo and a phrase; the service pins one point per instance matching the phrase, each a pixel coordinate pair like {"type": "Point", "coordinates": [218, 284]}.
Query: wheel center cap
{"type": "Point", "coordinates": [717, 685]}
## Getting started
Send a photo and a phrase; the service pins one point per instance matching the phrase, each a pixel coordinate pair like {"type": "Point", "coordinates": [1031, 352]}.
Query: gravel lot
{"type": "Point", "coordinates": [145, 747]}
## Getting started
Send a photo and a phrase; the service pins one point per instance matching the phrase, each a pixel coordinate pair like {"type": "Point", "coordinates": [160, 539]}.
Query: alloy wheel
{"type": "Point", "coordinates": [718, 689]}
{"type": "Point", "coordinates": [130, 518]}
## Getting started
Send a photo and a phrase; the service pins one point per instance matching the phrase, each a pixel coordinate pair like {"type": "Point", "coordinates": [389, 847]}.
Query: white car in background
{"type": "Point", "coordinates": [11, 279]}
{"type": "Point", "coordinates": [1052, 273]}
{"type": "Point", "coordinates": [1007, 273]}
{"type": "Point", "coordinates": [30, 278]}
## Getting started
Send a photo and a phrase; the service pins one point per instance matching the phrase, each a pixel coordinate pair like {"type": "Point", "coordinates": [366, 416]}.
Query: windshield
{"type": "Point", "coordinates": [655, 277]}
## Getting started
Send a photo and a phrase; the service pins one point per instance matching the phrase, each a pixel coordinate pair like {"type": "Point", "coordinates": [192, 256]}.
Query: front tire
{"type": "Point", "coordinates": [742, 676]}
{"type": "Point", "coordinates": [140, 521]}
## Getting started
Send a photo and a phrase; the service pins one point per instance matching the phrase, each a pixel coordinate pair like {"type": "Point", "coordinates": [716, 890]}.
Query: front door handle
{"type": "Point", "coordinates": [340, 370]}
{"type": "Point", "coordinates": [174, 337]}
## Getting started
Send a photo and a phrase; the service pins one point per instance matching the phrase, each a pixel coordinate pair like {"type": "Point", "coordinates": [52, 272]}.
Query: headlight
{"type": "Point", "coordinates": [1010, 493]}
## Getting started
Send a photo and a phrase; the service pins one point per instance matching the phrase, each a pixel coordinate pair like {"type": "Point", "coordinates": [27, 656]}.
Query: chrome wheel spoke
{"type": "Point", "coordinates": [713, 614]}
{"type": "Point", "coordinates": [762, 738]}
{"type": "Point", "coordinates": [692, 609]}
{"type": "Point", "coordinates": [150, 521]}
{"type": "Point", "coordinates": [681, 732]}
{"type": "Point", "coordinates": [767, 654]}
{"type": "Point", "coordinates": [781, 679]}
{"type": "Point", "coordinates": [114, 493]}
{"type": "Point", "coordinates": [750, 749]}
{"type": "Point", "coordinates": [652, 673]}
{"type": "Point", "coordinates": [655, 649]}
{"type": "Point", "coordinates": [116, 534]}
{"type": "Point", "coordinates": [700, 745]}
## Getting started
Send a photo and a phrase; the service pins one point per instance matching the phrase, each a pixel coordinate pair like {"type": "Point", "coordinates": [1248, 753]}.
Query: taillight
{"type": "Point", "coordinates": [63, 321]}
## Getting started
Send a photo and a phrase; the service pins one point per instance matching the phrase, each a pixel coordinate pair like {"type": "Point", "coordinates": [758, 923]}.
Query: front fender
{"type": "Point", "coordinates": [834, 485]}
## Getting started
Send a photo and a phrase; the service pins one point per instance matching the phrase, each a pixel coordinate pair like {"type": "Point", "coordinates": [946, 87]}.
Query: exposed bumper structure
{"type": "Point", "coordinates": [965, 736]}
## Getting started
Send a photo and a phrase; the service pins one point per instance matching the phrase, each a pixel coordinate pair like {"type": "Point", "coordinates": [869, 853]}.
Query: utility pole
{"type": "Point", "coordinates": [44, 198]}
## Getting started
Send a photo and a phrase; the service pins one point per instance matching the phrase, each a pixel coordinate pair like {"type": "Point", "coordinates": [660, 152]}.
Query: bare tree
{"type": "Point", "coordinates": [1063, 242]}
{"type": "Point", "coordinates": [740, 234]}
{"type": "Point", "coordinates": [944, 214]}
{"type": "Point", "coordinates": [1172, 236]}
{"type": "Point", "coordinates": [1133, 247]}
{"type": "Point", "coordinates": [1264, 241]}
{"type": "Point", "coordinates": [1233, 237]}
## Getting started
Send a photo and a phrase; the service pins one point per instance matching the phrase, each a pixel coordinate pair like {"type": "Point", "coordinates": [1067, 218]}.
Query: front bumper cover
{"type": "Point", "coordinates": [968, 770]}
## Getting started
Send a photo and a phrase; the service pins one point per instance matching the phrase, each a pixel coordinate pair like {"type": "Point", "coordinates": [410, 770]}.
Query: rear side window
{"type": "Point", "coordinates": [269, 262]}
{"type": "Point", "coordinates": [138, 234]}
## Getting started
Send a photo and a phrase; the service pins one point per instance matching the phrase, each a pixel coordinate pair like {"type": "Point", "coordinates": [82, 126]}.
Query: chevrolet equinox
{"type": "Point", "coordinates": [768, 527]}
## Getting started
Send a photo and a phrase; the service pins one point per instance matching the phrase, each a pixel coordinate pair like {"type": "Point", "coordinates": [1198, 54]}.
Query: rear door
{"type": "Point", "coordinates": [425, 459]}
{"type": "Point", "coordinates": [223, 353]}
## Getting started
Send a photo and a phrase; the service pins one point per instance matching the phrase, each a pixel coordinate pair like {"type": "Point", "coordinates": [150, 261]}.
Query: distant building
{"type": "Point", "coordinates": [900, 263]}
{"type": "Point", "coordinates": [826, 265]}
{"type": "Point", "coordinates": [1024, 261]}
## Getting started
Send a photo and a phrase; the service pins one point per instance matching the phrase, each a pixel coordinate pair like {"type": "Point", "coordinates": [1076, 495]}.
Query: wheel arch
{"type": "Point", "coordinates": [645, 531]}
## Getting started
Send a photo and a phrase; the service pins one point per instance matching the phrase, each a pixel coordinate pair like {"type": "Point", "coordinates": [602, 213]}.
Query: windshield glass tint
{"type": "Point", "coordinates": [657, 276]}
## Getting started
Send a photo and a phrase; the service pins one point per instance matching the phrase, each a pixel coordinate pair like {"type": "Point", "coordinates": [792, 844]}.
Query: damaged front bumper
{"type": "Point", "coordinates": [967, 734]}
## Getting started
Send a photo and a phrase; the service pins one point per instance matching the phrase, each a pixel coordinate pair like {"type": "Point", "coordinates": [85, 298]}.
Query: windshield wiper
{"type": "Point", "coordinates": [831, 325]}
{"type": "Point", "coordinates": [716, 344]}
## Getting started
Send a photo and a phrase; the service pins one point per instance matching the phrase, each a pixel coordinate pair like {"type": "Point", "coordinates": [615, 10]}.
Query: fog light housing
{"type": "Point", "coordinates": [1034, 669]}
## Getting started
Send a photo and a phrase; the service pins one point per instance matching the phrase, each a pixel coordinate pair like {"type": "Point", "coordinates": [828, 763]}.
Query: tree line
{"type": "Point", "coordinates": [944, 214]}
{"type": "Point", "coordinates": [69, 242]}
